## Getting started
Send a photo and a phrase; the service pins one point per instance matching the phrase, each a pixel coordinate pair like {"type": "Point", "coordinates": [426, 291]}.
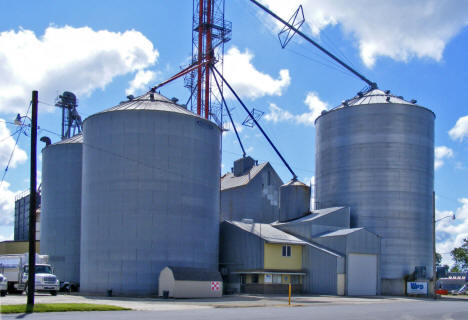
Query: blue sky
{"type": "Point", "coordinates": [103, 50]}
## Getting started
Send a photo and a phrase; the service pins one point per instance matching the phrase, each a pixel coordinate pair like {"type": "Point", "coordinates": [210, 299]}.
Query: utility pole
{"type": "Point", "coordinates": [32, 207]}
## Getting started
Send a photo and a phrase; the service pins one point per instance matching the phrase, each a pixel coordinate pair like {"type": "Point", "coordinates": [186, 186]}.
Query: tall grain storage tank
{"type": "Point", "coordinates": [61, 206]}
{"type": "Point", "coordinates": [151, 180]}
{"type": "Point", "coordinates": [375, 153]}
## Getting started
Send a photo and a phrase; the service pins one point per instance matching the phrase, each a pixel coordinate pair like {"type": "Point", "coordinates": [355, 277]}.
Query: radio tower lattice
{"type": "Point", "coordinates": [210, 31]}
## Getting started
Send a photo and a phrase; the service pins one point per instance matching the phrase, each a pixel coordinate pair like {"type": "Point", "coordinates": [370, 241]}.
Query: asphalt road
{"type": "Point", "coordinates": [446, 310]}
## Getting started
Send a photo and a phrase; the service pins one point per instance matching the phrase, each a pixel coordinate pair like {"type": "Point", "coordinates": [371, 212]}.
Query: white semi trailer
{"type": "Point", "coordinates": [15, 268]}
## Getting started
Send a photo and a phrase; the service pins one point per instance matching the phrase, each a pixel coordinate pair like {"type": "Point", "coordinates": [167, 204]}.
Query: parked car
{"type": "Point", "coordinates": [3, 285]}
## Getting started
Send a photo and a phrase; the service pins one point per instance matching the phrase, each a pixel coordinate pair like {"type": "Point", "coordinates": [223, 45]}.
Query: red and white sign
{"type": "Point", "coordinates": [215, 286]}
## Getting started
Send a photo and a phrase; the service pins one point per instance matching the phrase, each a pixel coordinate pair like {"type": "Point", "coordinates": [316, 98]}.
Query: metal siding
{"type": "Point", "coordinates": [61, 208]}
{"type": "Point", "coordinates": [321, 269]}
{"type": "Point", "coordinates": [256, 200]}
{"type": "Point", "coordinates": [379, 160]}
{"type": "Point", "coordinates": [294, 200]}
{"type": "Point", "coordinates": [150, 196]}
{"type": "Point", "coordinates": [239, 249]}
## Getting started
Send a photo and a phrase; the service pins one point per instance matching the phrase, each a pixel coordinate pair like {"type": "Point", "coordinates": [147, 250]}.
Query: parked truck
{"type": "Point", "coordinates": [15, 268]}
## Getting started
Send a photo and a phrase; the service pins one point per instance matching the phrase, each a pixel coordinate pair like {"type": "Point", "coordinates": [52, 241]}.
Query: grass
{"type": "Point", "coordinates": [59, 307]}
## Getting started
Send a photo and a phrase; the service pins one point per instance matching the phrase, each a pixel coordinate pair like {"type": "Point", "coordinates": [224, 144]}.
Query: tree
{"type": "Point", "coordinates": [460, 256]}
{"type": "Point", "coordinates": [438, 259]}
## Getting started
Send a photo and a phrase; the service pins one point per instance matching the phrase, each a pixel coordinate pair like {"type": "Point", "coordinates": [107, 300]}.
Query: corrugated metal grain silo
{"type": "Point", "coordinates": [61, 206]}
{"type": "Point", "coordinates": [375, 153]}
{"type": "Point", "coordinates": [294, 200]}
{"type": "Point", "coordinates": [151, 180]}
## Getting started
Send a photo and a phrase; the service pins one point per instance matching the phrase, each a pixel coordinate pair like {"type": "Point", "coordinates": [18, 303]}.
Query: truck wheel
{"type": "Point", "coordinates": [53, 292]}
{"type": "Point", "coordinates": [3, 293]}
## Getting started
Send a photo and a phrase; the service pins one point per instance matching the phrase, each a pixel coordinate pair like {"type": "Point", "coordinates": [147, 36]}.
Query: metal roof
{"type": "Point", "coordinates": [272, 235]}
{"type": "Point", "coordinates": [375, 96]}
{"type": "Point", "coordinates": [229, 181]}
{"type": "Point", "coordinates": [314, 215]}
{"type": "Point", "coordinates": [341, 232]}
{"type": "Point", "coordinates": [78, 138]}
{"type": "Point", "coordinates": [268, 271]}
{"type": "Point", "coordinates": [268, 233]}
{"type": "Point", "coordinates": [195, 274]}
{"type": "Point", "coordinates": [144, 102]}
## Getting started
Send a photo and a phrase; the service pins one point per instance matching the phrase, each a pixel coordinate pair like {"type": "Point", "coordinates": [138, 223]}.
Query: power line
{"type": "Point", "coordinates": [14, 147]}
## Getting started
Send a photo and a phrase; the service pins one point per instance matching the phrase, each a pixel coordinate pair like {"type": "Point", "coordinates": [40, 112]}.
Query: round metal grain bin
{"type": "Point", "coordinates": [61, 206]}
{"type": "Point", "coordinates": [151, 180]}
{"type": "Point", "coordinates": [294, 200]}
{"type": "Point", "coordinates": [375, 154]}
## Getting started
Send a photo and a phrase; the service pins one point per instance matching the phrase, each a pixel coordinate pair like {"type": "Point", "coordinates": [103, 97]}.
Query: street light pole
{"type": "Point", "coordinates": [434, 271]}
{"type": "Point", "coordinates": [32, 207]}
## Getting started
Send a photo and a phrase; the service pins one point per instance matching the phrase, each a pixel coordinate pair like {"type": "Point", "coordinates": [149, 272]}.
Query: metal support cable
{"type": "Point", "coordinates": [303, 35]}
{"type": "Point", "coordinates": [256, 122]}
{"type": "Point", "coordinates": [229, 114]}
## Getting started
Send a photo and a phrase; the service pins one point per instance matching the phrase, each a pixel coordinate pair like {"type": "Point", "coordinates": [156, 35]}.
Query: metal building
{"type": "Point", "coordinates": [150, 194]}
{"type": "Point", "coordinates": [250, 191]}
{"type": "Point", "coordinates": [21, 232]}
{"type": "Point", "coordinates": [61, 206]}
{"type": "Point", "coordinates": [375, 154]}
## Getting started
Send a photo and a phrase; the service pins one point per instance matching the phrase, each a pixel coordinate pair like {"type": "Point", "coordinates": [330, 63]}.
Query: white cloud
{"type": "Point", "coordinates": [314, 104]}
{"type": "Point", "coordinates": [7, 143]}
{"type": "Point", "coordinates": [229, 129]}
{"type": "Point", "coordinates": [7, 204]}
{"type": "Point", "coordinates": [9, 236]}
{"type": "Point", "coordinates": [247, 80]}
{"type": "Point", "coordinates": [66, 58]}
{"type": "Point", "coordinates": [450, 233]}
{"type": "Point", "coordinates": [460, 130]}
{"type": "Point", "coordinates": [399, 29]}
{"type": "Point", "coordinates": [442, 153]}
{"type": "Point", "coordinates": [141, 80]}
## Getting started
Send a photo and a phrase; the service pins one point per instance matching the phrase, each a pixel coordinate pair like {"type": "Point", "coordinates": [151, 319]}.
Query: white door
{"type": "Point", "coordinates": [362, 274]}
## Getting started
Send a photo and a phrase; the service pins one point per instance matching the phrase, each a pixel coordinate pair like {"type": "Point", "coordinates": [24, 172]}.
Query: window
{"type": "Point", "coordinates": [276, 278]}
{"type": "Point", "coordinates": [286, 251]}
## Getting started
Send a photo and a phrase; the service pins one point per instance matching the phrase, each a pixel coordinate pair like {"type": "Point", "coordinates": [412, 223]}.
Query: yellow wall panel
{"type": "Point", "coordinates": [274, 259]}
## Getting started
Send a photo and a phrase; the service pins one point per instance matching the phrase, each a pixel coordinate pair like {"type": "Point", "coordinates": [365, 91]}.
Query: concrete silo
{"type": "Point", "coordinates": [61, 206]}
{"type": "Point", "coordinates": [151, 180]}
{"type": "Point", "coordinates": [375, 153]}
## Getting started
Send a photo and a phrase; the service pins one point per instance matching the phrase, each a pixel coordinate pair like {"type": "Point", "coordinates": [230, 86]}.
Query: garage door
{"type": "Point", "coordinates": [362, 274]}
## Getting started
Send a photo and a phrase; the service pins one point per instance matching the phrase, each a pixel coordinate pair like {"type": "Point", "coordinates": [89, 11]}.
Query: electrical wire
{"type": "Point", "coordinates": [14, 147]}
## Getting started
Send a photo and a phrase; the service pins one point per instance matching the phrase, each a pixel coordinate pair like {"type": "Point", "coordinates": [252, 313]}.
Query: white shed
{"type": "Point", "coordinates": [181, 282]}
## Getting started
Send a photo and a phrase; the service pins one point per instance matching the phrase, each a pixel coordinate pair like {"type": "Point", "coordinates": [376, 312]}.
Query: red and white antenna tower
{"type": "Point", "coordinates": [210, 31]}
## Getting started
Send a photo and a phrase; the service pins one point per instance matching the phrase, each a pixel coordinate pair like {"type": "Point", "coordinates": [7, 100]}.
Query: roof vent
{"type": "Point", "coordinates": [130, 97]}
{"type": "Point", "coordinates": [360, 94]}
{"type": "Point", "coordinates": [387, 91]}
{"type": "Point", "coordinates": [174, 99]}
{"type": "Point", "coordinates": [400, 97]}
{"type": "Point", "coordinates": [388, 99]}
{"type": "Point", "coordinates": [152, 96]}
{"type": "Point", "coordinates": [345, 103]}
{"type": "Point", "coordinates": [248, 221]}
{"type": "Point", "coordinates": [413, 101]}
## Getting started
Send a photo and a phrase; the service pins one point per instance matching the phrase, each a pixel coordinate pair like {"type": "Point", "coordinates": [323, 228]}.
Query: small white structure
{"type": "Point", "coordinates": [180, 282]}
